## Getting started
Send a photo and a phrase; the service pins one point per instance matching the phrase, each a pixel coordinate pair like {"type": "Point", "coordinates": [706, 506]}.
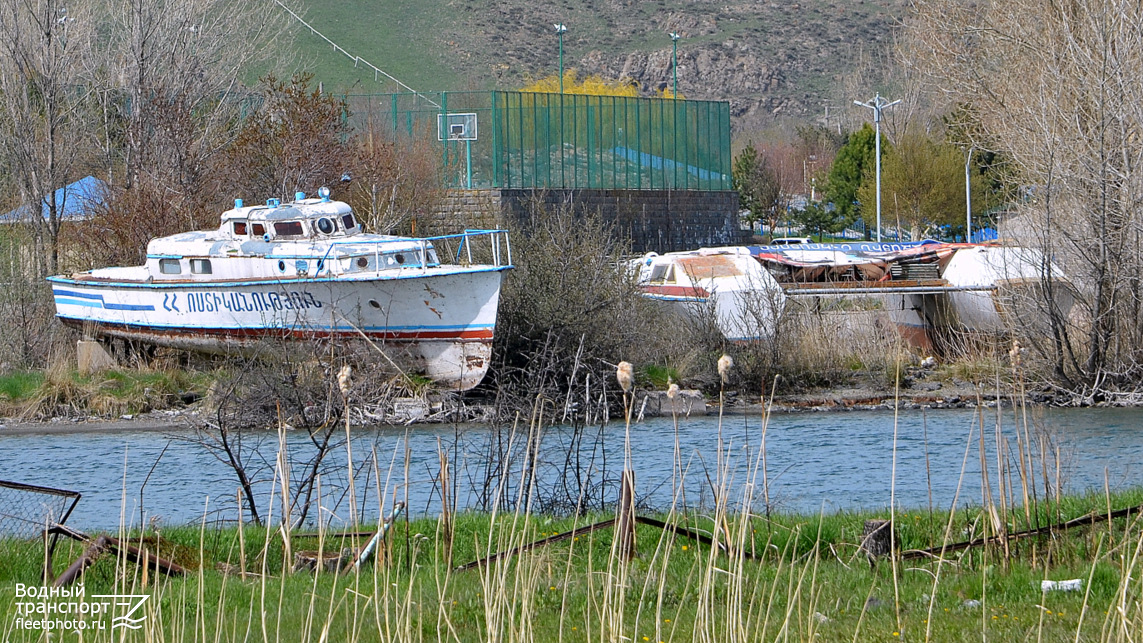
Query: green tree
{"type": "Point", "coordinates": [818, 217]}
{"type": "Point", "coordinates": [853, 163]}
{"type": "Point", "coordinates": [922, 184]}
{"type": "Point", "coordinates": [757, 182]}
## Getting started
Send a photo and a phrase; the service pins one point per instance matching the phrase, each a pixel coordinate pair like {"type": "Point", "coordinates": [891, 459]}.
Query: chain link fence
{"type": "Point", "coordinates": [27, 510]}
{"type": "Point", "coordinates": [562, 141]}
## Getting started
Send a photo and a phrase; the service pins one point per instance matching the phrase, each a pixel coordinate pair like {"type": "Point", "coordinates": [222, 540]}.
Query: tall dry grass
{"type": "Point", "coordinates": [763, 577]}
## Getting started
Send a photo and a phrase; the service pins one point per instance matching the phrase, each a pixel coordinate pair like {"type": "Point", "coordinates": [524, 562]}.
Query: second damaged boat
{"type": "Point", "coordinates": [929, 290]}
{"type": "Point", "coordinates": [303, 270]}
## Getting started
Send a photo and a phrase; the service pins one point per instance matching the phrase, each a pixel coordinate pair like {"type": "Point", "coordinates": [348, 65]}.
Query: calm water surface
{"type": "Point", "coordinates": [813, 461]}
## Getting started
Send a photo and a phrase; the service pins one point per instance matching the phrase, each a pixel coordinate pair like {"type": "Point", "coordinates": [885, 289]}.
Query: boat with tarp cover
{"type": "Point", "coordinates": [929, 289]}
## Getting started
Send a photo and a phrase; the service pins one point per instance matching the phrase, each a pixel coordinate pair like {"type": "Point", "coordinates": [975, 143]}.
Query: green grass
{"type": "Point", "coordinates": [658, 376]}
{"type": "Point", "coordinates": [20, 385]}
{"type": "Point", "coordinates": [809, 583]}
{"type": "Point", "coordinates": [107, 394]}
{"type": "Point", "coordinates": [401, 37]}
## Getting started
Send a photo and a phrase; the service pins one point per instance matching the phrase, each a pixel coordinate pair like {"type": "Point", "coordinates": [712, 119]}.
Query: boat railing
{"type": "Point", "coordinates": [468, 248]}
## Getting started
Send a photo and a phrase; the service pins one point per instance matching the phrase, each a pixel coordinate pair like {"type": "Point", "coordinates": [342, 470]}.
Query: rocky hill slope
{"type": "Point", "coordinates": [770, 59]}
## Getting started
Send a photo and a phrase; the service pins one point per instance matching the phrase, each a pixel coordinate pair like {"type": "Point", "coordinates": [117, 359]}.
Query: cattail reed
{"type": "Point", "coordinates": [625, 374]}
{"type": "Point", "coordinates": [725, 363]}
{"type": "Point", "coordinates": [345, 379]}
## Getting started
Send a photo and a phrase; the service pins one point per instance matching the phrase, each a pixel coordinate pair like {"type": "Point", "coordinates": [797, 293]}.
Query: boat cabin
{"type": "Point", "coordinates": [308, 238]}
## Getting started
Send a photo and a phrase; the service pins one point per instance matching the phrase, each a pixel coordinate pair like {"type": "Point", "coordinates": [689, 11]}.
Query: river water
{"type": "Point", "coordinates": [814, 461]}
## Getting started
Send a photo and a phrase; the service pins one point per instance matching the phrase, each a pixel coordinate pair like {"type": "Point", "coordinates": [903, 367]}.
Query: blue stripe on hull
{"type": "Point", "coordinates": [76, 298]}
{"type": "Point", "coordinates": [79, 302]}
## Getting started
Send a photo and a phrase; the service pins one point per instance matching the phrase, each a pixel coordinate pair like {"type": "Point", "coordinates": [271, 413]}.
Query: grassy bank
{"type": "Point", "coordinates": [790, 577]}
{"type": "Point", "coordinates": [64, 392]}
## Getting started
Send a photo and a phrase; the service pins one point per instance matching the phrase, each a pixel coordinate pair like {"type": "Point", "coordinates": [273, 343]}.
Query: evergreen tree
{"type": "Point", "coordinates": [818, 218]}
{"type": "Point", "coordinates": [853, 163]}
{"type": "Point", "coordinates": [757, 183]}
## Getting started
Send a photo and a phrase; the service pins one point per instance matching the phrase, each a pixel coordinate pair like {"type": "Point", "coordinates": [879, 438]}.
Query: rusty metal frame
{"type": "Point", "coordinates": [51, 537]}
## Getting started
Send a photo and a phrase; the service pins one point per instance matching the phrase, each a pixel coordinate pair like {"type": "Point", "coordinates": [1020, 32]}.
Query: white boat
{"type": "Point", "coordinates": [303, 270]}
{"type": "Point", "coordinates": [728, 283]}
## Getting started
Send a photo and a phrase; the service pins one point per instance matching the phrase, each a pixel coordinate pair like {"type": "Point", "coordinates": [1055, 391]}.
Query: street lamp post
{"type": "Point", "coordinates": [877, 105]}
{"type": "Point", "coordinates": [675, 62]}
{"type": "Point", "coordinates": [968, 197]}
{"type": "Point", "coordinates": [560, 29]}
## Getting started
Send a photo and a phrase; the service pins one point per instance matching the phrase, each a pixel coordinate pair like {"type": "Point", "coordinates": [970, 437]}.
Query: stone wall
{"type": "Point", "coordinates": [654, 220]}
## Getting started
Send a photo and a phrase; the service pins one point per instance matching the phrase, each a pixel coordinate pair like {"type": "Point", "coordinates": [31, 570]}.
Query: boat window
{"type": "Point", "coordinates": [362, 262]}
{"type": "Point", "coordinates": [325, 226]}
{"type": "Point", "coordinates": [433, 260]}
{"type": "Point", "coordinates": [407, 259]}
{"type": "Point", "coordinates": [200, 266]}
{"type": "Point", "coordinates": [348, 222]}
{"type": "Point", "coordinates": [170, 266]}
{"type": "Point", "coordinates": [240, 228]}
{"type": "Point", "coordinates": [288, 229]}
{"type": "Point", "coordinates": [258, 229]}
{"type": "Point", "coordinates": [663, 273]}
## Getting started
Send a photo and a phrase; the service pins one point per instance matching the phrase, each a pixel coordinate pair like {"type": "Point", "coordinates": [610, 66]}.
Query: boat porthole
{"type": "Point", "coordinates": [320, 265]}
{"type": "Point", "coordinates": [400, 258]}
{"type": "Point", "coordinates": [373, 302]}
{"type": "Point", "coordinates": [281, 266]}
{"type": "Point", "coordinates": [266, 237]}
{"type": "Point", "coordinates": [362, 262]}
{"type": "Point", "coordinates": [324, 225]}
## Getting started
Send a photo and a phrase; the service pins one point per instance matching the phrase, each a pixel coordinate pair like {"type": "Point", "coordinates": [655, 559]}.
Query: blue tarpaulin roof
{"type": "Point", "coordinates": [77, 201]}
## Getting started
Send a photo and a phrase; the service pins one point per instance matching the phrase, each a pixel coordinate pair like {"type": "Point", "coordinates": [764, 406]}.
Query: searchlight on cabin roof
{"type": "Point", "coordinates": [323, 192]}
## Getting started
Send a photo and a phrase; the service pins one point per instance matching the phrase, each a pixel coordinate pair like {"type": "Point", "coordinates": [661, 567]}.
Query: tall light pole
{"type": "Point", "coordinates": [675, 62]}
{"type": "Point", "coordinates": [560, 29]}
{"type": "Point", "coordinates": [968, 197]}
{"type": "Point", "coordinates": [877, 105]}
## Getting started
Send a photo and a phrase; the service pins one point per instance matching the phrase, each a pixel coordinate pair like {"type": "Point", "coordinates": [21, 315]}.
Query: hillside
{"type": "Point", "coordinates": [768, 58]}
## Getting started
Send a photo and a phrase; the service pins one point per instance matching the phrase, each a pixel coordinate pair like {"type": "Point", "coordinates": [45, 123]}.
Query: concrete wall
{"type": "Point", "coordinates": [654, 220]}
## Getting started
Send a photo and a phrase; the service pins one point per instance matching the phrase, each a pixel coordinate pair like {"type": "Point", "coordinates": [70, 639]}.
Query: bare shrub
{"type": "Point", "coordinates": [119, 230]}
{"type": "Point", "coordinates": [569, 311]}
{"type": "Point", "coordinates": [29, 332]}
{"type": "Point", "coordinates": [818, 342]}
{"type": "Point", "coordinates": [395, 177]}
{"type": "Point", "coordinates": [297, 140]}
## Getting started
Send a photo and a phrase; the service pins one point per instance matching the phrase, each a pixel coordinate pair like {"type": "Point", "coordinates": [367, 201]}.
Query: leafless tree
{"type": "Point", "coordinates": [1055, 87]}
{"type": "Point", "coordinates": [174, 74]}
{"type": "Point", "coordinates": [43, 44]}
{"type": "Point", "coordinates": [394, 178]}
{"type": "Point", "coordinates": [297, 140]}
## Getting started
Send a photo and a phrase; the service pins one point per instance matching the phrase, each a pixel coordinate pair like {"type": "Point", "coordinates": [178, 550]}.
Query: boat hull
{"type": "Point", "coordinates": [438, 322]}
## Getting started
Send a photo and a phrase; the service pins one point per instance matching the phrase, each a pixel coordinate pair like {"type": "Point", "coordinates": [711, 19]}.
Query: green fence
{"type": "Point", "coordinates": [528, 140]}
